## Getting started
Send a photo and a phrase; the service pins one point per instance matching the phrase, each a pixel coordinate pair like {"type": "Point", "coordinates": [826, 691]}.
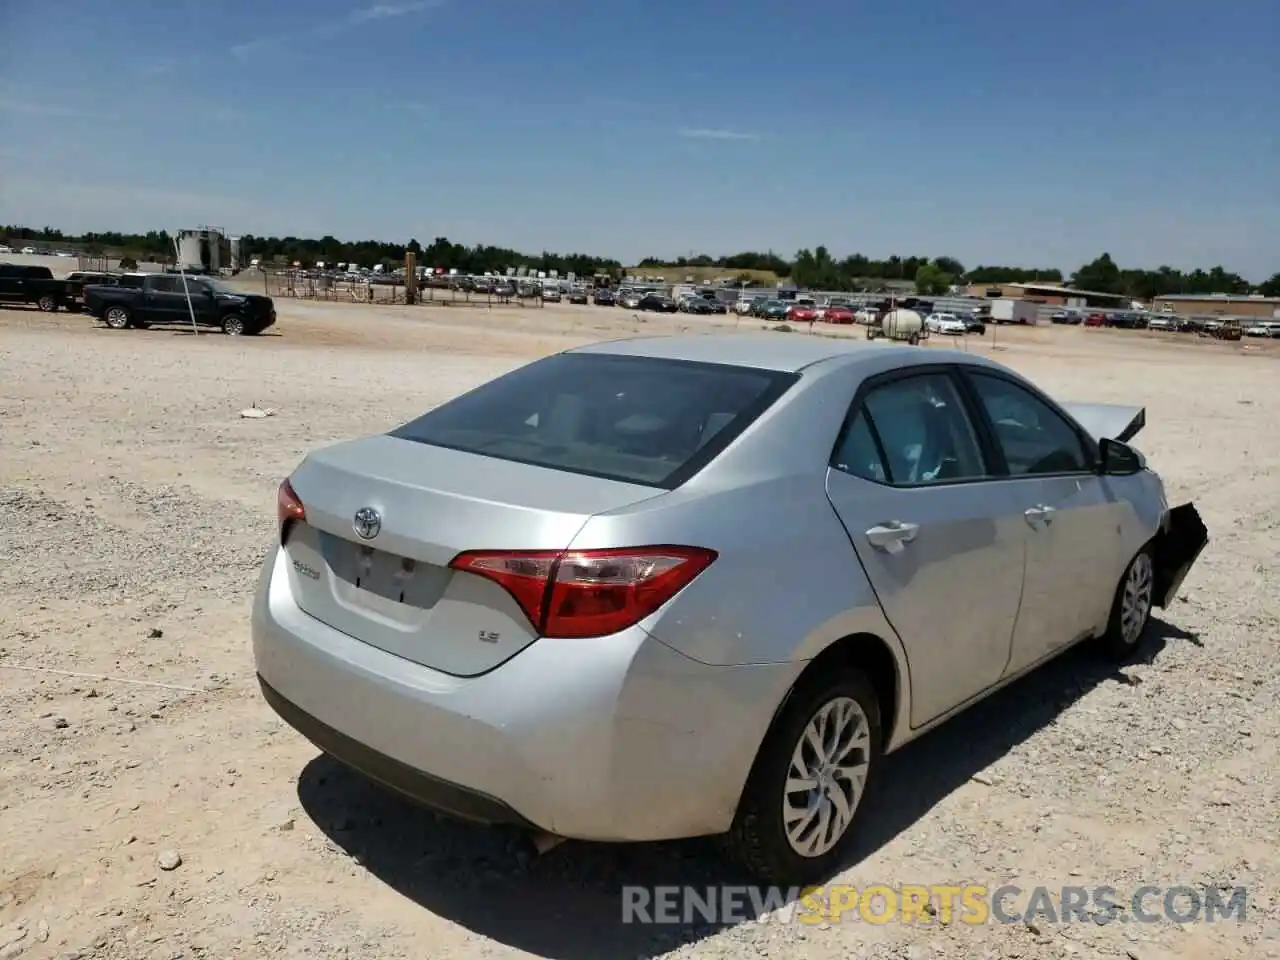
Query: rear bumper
{"type": "Point", "coordinates": [431, 792]}
{"type": "Point", "coordinates": [610, 739]}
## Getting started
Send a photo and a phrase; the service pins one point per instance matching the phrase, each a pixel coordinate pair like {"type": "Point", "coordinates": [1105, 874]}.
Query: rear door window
{"type": "Point", "coordinates": [633, 419]}
{"type": "Point", "coordinates": [921, 425]}
{"type": "Point", "coordinates": [162, 285]}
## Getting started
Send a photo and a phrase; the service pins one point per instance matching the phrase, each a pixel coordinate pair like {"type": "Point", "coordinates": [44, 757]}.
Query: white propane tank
{"type": "Point", "coordinates": [902, 325]}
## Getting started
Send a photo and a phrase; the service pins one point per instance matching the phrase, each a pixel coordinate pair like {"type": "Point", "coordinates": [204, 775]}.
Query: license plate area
{"type": "Point", "coordinates": [364, 571]}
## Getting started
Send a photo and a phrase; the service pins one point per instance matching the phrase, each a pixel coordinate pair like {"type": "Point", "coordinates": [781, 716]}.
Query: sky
{"type": "Point", "coordinates": [998, 132]}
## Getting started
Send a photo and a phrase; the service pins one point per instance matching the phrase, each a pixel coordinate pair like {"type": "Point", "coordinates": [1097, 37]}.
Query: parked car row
{"type": "Point", "coordinates": [701, 304]}
{"type": "Point", "coordinates": [139, 300]}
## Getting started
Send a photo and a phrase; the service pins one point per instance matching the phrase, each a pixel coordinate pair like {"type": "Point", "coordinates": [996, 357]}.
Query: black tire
{"type": "Point", "coordinates": [1123, 638]}
{"type": "Point", "coordinates": [117, 318]}
{"type": "Point", "coordinates": [758, 841]}
{"type": "Point", "coordinates": [233, 325]}
{"type": "Point", "coordinates": [47, 304]}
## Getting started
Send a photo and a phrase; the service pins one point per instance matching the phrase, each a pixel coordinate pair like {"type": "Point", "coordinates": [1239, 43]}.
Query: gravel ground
{"type": "Point", "coordinates": [154, 807]}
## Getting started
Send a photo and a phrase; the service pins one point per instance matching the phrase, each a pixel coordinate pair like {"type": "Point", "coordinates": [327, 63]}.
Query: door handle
{"type": "Point", "coordinates": [892, 536]}
{"type": "Point", "coordinates": [1040, 513]}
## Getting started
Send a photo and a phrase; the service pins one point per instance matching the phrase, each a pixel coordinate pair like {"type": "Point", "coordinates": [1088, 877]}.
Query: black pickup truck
{"type": "Point", "coordinates": [33, 285]}
{"type": "Point", "coordinates": [77, 280]}
{"type": "Point", "coordinates": [147, 299]}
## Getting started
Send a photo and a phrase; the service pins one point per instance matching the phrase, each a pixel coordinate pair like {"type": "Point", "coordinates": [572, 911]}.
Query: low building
{"type": "Point", "coordinates": [1053, 294]}
{"type": "Point", "coordinates": [1218, 304]}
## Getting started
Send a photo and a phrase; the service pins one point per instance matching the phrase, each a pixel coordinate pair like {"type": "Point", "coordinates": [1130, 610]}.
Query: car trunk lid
{"type": "Point", "coordinates": [1108, 421]}
{"type": "Point", "coordinates": [393, 588]}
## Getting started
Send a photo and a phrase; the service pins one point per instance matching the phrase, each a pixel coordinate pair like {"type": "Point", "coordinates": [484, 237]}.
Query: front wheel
{"type": "Point", "coordinates": [1131, 608]}
{"type": "Point", "coordinates": [117, 318]}
{"type": "Point", "coordinates": [795, 821]}
{"type": "Point", "coordinates": [47, 304]}
{"type": "Point", "coordinates": [233, 325]}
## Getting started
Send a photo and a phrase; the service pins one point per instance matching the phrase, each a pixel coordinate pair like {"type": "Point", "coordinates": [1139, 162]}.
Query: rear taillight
{"type": "Point", "coordinates": [288, 509]}
{"type": "Point", "coordinates": [588, 593]}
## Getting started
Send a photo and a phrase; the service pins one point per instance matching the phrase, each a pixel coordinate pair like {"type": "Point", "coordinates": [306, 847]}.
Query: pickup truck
{"type": "Point", "coordinates": [146, 299]}
{"type": "Point", "coordinates": [77, 280]}
{"type": "Point", "coordinates": [33, 285]}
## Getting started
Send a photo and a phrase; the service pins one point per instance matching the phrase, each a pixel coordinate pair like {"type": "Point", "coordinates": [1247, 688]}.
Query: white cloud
{"type": "Point", "coordinates": [357, 17]}
{"type": "Point", "coordinates": [385, 11]}
{"type": "Point", "coordinates": [703, 133]}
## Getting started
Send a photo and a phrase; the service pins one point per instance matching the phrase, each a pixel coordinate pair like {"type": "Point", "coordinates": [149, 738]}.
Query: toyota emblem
{"type": "Point", "coordinates": [367, 523]}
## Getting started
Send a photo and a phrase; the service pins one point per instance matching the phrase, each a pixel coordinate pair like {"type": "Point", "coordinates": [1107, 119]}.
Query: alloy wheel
{"type": "Point", "coordinates": [827, 777]}
{"type": "Point", "coordinates": [1135, 602]}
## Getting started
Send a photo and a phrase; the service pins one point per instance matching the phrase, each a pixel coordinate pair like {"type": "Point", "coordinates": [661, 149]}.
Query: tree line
{"type": "Point", "coordinates": [819, 270]}
{"type": "Point", "coordinates": [158, 246]}
{"type": "Point", "coordinates": [815, 269]}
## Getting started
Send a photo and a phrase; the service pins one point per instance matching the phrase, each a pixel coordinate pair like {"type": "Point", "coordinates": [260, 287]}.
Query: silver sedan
{"type": "Point", "coordinates": [669, 587]}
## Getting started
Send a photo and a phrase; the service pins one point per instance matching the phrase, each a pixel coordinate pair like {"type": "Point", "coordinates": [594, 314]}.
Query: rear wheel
{"type": "Point", "coordinates": [47, 304]}
{"type": "Point", "coordinates": [795, 821]}
{"type": "Point", "coordinates": [233, 325]}
{"type": "Point", "coordinates": [1131, 608]}
{"type": "Point", "coordinates": [117, 318]}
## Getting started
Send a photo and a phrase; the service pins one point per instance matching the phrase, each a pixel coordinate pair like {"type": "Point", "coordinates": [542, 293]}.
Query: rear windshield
{"type": "Point", "coordinates": [634, 419]}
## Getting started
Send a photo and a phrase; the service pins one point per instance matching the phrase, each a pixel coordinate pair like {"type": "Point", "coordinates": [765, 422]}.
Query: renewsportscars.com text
{"type": "Point", "coordinates": [973, 904]}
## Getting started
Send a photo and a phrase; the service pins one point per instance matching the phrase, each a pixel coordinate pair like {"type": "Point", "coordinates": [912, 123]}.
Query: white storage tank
{"type": "Point", "coordinates": [902, 324]}
{"type": "Point", "coordinates": [204, 248]}
{"type": "Point", "coordinates": [191, 248]}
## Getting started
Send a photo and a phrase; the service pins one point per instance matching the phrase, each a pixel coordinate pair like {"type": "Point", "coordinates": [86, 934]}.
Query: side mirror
{"type": "Point", "coordinates": [1116, 459]}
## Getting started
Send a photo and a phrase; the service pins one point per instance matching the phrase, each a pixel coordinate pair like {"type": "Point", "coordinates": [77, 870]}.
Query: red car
{"type": "Point", "coordinates": [803, 313]}
{"type": "Point", "coordinates": [1095, 320]}
{"type": "Point", "coordinates": [838, 315]}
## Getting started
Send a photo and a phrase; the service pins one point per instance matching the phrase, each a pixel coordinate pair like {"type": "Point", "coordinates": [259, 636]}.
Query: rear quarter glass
{"type": "Point", "coordinates": [640, 420]}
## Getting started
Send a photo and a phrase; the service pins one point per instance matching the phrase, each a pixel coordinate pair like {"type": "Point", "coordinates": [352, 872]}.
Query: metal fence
{"type": "Point", "coordinates": [303, 285]}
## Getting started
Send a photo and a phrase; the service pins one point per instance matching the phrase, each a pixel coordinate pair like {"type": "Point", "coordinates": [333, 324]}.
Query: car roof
{"type": "Point", "coordinates": [772, 351]}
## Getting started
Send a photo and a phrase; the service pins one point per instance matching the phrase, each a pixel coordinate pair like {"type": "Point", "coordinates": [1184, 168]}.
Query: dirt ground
{"type": "Point", "coordinates": [135, 508]}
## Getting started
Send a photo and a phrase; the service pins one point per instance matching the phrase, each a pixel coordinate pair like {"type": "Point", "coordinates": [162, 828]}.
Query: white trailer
{"type": "Point", "coordinates": [1015, 311]}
